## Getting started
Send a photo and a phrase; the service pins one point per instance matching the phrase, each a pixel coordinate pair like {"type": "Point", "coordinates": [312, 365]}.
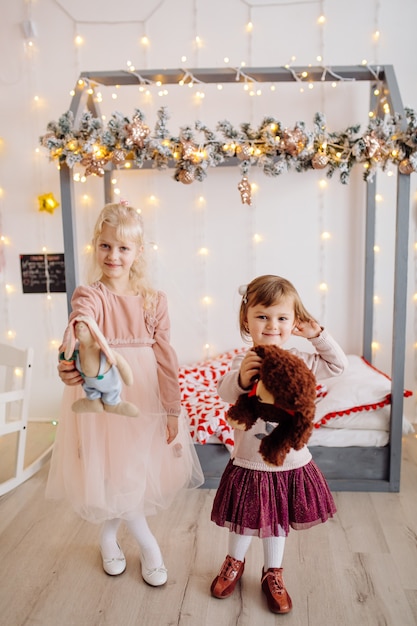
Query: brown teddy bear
{"type": "Point", "coordinates": [285, 395]}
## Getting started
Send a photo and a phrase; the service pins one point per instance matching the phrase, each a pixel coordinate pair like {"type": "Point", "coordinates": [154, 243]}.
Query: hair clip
{"type": "Point", "coordinates": [243, 291]}
{"type": "Point", "coordinates": [124, 202]}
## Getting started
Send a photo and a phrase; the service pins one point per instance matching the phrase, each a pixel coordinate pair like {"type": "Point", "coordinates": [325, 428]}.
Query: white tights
{"type": "Point", "coordinates": [140, 530]}
{"type": "Point", "coordinates": [273, 548]}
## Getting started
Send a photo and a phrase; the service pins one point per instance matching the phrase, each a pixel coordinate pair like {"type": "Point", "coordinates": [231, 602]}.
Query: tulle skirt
{"type": "Point", "coordinates": [267, 504]}
{"type": "Point", "coordinates": [111, 466]}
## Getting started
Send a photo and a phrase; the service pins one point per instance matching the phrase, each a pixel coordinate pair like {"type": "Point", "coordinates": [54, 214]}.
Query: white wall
{"type": "Point", "coordinates": [289, 212]}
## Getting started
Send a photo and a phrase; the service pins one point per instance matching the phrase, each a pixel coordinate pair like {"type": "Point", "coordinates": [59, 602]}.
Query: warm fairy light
{"type": "Point", "coordinates": [377, 299]}
{"type": "Point", "coordinates": [323, 287]}
{"type": "Point", "coordinates": [9, 288]}
{"type": "Point", "coordinates": [203, 251]}
{"type": "Point", "coordinates": [49, 297]}
{"type": "Point", "coordinates": [144, 41]}
{"type": "Point", "coordinates": [325, 235]}
{"type": "Point", "coordinates": [375, 345]}
{"type": "Point", "coordinates": [321, 19]}
{"type": "Point", "coordinates": [207, 300]}
{"type": "Point", "coordinates": [4, 240]}
{"type": "Point", "coordinates": [183, 59]}
{"type": "Point", "coordinates": [415, 297]}
{"type": "Point", "coordinates": [249, 27]}
{"type": "Point", "coordinates": [11, 334]}
{"type": "Point", "coordinates": [18, 372]}
{"type": "Point", "coordinates": [88, 248]}
{"type": "Point", "coordinates": [78, 40]}
{"type": "Point", "coordinates": [54, 344]}
{"type": "Point", "coordinates": [322, 183]}
{"type": "Point", "coordinates": [376, 92]}
{"type": "Point", "coordinates": [304, 74]}
{"type": "Point", "coordinates": [378, 197]}
{"type": "Point", "coordinates": [226, 59]}
{"type": "Point", "coordinates": [364, 62]}
{"type": "Point", "coordinates": [80, 82]}
{"type": "Point", "coordinates": [219, 87]}
{"type": "Point", "coordinates": [201, 200]}
{"type": "Point", "coordinates": [154, 246]}
{"type": "Point", "coordinates": [376, 35]}
{"type": "Point", "coordinates": [257, 238]}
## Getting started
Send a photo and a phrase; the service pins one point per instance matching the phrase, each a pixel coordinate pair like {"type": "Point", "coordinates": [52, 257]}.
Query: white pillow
{"type": "Point", "coordinates": [361, 387]}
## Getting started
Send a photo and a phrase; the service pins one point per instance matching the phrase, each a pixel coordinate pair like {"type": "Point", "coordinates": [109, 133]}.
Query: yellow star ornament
{"type": "Point", "coordinates": [47, 202]}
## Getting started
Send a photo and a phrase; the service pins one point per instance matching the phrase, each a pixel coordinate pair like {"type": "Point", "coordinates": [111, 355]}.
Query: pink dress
{"type": "Point", "coordinates": [111, 466]}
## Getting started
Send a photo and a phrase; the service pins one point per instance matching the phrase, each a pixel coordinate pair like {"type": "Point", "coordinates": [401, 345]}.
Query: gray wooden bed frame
{"type": "Point", "coordinates": [346, 469]}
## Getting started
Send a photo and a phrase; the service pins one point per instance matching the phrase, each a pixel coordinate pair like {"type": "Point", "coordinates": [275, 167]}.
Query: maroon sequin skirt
{"type": "Point", "coordinates": [267, 504]}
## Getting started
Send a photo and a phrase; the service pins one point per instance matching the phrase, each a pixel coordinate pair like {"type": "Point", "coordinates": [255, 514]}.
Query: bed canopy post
{"type": "Point", "coordinates": [369, 270]}
{"type": "Point", "coordinates": [399, 324]}
{"type": "Point", "coordinates": [81, 100]}
{"type": "Point", "coordinates": [400, 294]}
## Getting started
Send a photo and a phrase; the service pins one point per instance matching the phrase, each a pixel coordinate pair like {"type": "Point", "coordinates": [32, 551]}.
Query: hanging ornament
{"type": "Point", "coordinates": [293, 141]}
{"type": "Point", "coordinates": [319, 161]}
{"type": "Point", "coordinates": [137, 132]}
{"type": "Point", "coordinates": [244, 152]}
{"type": "Point", "coordinates": [47, 202]}
{"type": "Point", "coordinates": [188, 150]}
{"type": "Point", "coordinates": [93, 165]}
{"type": "Point", "coordinates": [372, 145]}
{"type": "Point", "coordinates": [245, 191]}
{"type": "Point", "coordinates": [118, 157]}
{"type": "Point", "coordinates": [186, 177]}
{"type": "Point", "coordinates": [405, 167]}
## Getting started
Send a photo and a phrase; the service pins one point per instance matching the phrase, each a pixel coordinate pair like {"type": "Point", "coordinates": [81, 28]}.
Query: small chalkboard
{"type": "Point", "coordinates": [42, 273]}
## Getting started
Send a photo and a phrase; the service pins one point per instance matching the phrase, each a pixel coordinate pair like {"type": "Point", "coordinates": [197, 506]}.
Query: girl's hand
{"type": "Point", "coordinates": [309, 330]}
{"type": "Point", "coordinates": [69, 374]}
{"type": "Point", "coordinates": [249, 369]}
{"type": "Point", "coordinates": [172, 427]}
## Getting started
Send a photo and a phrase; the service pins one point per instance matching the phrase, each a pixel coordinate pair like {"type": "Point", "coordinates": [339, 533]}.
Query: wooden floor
{"type": "Point", "coordinates": [358, 569]}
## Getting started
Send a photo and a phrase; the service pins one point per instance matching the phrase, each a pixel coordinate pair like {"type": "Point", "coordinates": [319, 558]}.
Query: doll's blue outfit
{"type": "Point", "coordinates": [106, 386]}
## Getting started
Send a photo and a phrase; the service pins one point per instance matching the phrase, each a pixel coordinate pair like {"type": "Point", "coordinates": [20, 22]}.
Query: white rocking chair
{"type": "Point", "coordinates": [15, 385]}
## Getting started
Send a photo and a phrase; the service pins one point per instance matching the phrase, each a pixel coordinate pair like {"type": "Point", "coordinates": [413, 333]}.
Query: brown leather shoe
{"type": "Point", "coordinates": [224, 584]}
{"type": "Point", "coordinates": [273, 587]}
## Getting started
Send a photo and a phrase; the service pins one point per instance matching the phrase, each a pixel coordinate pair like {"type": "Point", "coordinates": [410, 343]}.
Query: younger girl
{"type": "Point", "coordinates": [255, 499]}
{"type": "Point", "coordinates": [113, 467]}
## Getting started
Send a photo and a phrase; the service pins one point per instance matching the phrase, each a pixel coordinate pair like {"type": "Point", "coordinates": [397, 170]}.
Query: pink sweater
{"type": "Point", "coordinates": [124, 323]}
{"type": "Point", "coordinates": [328, 360]}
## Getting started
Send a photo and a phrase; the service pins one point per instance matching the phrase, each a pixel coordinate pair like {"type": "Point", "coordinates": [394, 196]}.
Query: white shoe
{"type": "Point", "coordinates": [155, 577]}
{"type": "Point", "coordinates": [116, 565]}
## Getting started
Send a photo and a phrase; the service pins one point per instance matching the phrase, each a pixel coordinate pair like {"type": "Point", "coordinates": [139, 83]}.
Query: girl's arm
{"type": "Point", "coordinates": [167, 360]}
{"type": "Point", "coordinates": [81, 304]}
{"type": "Point", "coordinates": [329, 358]}
{"type": "Point", "coordinates": [229, 386]}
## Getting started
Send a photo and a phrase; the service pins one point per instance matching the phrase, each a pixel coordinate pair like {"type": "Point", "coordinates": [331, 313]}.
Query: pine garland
{"type": "Point", "coordinates": [272, 147]}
